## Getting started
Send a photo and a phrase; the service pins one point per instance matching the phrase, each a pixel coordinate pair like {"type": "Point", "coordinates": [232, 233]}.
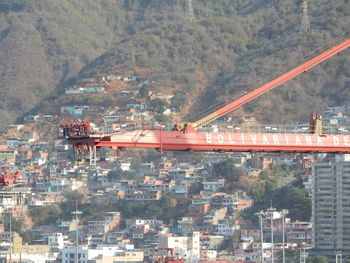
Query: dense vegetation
{"type": "Point", "coordinates": [267, 190]}
{"type": "Point", "coordinates": [232, 45]}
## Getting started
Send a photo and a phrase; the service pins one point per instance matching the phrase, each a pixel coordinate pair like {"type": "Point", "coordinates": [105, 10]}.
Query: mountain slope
{"type": "Point", "coordinates": [44, 43]}
{"type": "Point", "coordinates": [239, 49]}
{"type": "Point", "coordinates": [232, 46]}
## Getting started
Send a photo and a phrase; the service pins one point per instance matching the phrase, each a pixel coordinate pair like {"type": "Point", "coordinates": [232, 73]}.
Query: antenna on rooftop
{"type": "Point", "coordinates": [189, 11]}
{"type": "Point", "coordinates": [305, 23]}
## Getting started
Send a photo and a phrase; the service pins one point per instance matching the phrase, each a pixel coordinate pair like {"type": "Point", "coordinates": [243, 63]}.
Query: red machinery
{"type": "Point", "coordinates": [187, 138]}
{"type": "Point", "coordinates": [9, 178]}
{"type": "Point", "coordinates": [168, 259]}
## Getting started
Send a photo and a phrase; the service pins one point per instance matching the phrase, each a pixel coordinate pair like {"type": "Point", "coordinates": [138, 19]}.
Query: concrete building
{"type": "Point", "coordinates": [102, 254]}
{"type": "Point", "coordinates": [56, 241]}
{"type": "Point", "coordinates": [331, 207]}
{"type": "Point", "coordinates": [186, 247]}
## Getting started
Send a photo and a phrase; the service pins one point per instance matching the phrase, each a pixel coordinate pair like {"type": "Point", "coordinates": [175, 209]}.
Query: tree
{"type": "Point", "coordinates": [195, 188]}
{"type": "Point", "coordinates": [44, 215]}
{"type": "Point", "coordinates": [228, 170]}
{"type": "Point", "coordinates": [292, 255]}
{"type": "Point", "coordinates": [72, 198]}
{"type": "Point", "coordinates": [299, 203]}
{"type": "Point", "coordinates": [158, 105]}
{"type": "Point", "coordinates": [317, 259]}
{"type": "Point", "coordinates": [116, 174]}
{"type": "Point", "coordinates": [152, 156]}
{"type": "Point", "coordinates": [230, 173]}
{"type": "Point", "coordinates": [165, 201]}
{"type": "Point", "coordinates": [16, 224]}
{"type": "Point", "coordinates": [161, 119]}
{"type": "Point", "coordinates": [179, 99]}
{"type": "Point", "coordinates": [143, 92]}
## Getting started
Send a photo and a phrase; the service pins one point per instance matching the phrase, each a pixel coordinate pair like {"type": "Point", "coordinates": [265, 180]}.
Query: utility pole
{"type": "Point", "coordinates": [76, 213]}
{"type": "Point", "coordinates": [189, 11]}
{"type": "Point", "coordinates": [260, 215]}
{"type": "Point", "coordinates": [284, 212]}
{"type": "Point", "coordinates": [10, 214]}
{"type": "Point", "coordinates": [270, 211]}
{"type": "Point", "coordinates": [305, 23]}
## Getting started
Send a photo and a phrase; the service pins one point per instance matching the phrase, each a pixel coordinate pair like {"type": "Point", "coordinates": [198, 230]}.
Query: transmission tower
{"type": "Point", "coordinates": [189, 11]}
{"type": "Point", "coordinates": [177, 9]}
{"type": "Point", "coordinates": [305, 23]}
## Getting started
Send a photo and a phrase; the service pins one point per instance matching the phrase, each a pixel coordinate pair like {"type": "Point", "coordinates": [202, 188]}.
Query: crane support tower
{"type": "Point", "coordinates": [186, 137]}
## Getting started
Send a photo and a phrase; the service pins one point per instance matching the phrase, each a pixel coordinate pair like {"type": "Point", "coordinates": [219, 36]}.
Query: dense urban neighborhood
{"type": "Point", "coordinates": [140, 205]}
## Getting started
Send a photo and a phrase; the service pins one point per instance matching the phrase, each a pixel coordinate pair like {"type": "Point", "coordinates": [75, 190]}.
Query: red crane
{"type": "Point", "coordinates": [187, 137]}
{"type": "Point", "coordinates": [169, 258]}
{"type": "Point", "coordinates": [9, 178]}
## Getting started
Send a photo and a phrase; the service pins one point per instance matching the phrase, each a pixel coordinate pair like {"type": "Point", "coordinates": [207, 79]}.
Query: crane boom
{"type": "Point", "coordinates": [272, 84]}
{"type": "Point", "coordinates": [188, 139]}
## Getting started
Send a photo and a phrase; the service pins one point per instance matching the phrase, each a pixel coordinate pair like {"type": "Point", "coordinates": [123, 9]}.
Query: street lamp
{"type": "Point", "coordinates": [338, 257]}
{"type": "Point", "coordinates": [304, 253]}
{"type": "Point", "coordinates": [270, 212]}
{"type": "Point", "coordinates": [76, 213]}
{"type": "Point", "coordinates": [10, 217]}
{"type": "Point", "coordinates": [284, 212]}
{"type": "Point", "coordinates": [260, 215]}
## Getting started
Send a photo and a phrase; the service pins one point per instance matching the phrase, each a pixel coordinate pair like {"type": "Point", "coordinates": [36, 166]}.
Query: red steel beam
{"type": "Point", "coordinates": [180, 141]}
{"type": "Point", "coordinates": [273, 84]}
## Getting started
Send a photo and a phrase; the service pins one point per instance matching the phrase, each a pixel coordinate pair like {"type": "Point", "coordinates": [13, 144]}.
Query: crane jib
{"type": "Point", "coordinates": [189, 139]}
{"type": "Point", "coordinates": [273, 84]}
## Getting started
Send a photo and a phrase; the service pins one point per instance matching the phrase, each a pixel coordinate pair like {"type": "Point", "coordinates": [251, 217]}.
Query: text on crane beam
{"type": "Point", "coordinates": [278, 139]}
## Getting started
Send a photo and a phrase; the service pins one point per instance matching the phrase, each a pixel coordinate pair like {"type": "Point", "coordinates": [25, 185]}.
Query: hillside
{"type": "Point", "coordinates": [44, 43]}
{"type": "Point", "coordinates": [232, 46]}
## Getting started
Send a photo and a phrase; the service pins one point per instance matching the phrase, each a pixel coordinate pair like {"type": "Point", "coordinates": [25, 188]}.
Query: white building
{"type": "Point", "coordinates": [186, 247]}
{"type": "Point", "coordinates": [213, 186]}
{"type": "Point", "coordinates": [69, 254]}
{"type": "Point", "coordinates": [56, 241]}
{"type": "Point", "coordinates": [102, 253]}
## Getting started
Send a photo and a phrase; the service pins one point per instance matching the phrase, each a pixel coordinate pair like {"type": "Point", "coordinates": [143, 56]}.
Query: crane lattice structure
{"type": "Point", "coordinates": [305, 23]}
{"type": "Point", "coordinates": [189, 11]}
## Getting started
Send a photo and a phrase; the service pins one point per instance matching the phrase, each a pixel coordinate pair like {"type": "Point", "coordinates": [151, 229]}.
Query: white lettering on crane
{"type": "Point", "coordinates": [265, 140]}
{"type": "Point", "coordinates": [275, 139]}
{"type": "Point", "coordinates": [230, 140]}
{"type": "Point", "coordinates": [253, 137]}
{"type": "Point", "coordinates": [335, 140]}
{"type": "Point", "coordinates": [220, 138]}
{"type": "Point", "coordinates": [287, 140]}
{"type": "Point", "coordinates": [346, 140]}
{"type": "Point", "coordinates": [209, 139]}
{"type": "Point", "coordinates": [308, 140]}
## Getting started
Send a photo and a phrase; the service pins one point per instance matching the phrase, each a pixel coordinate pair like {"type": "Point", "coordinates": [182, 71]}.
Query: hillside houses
{"type": "Point", "coordinates": [80, 90]}
{"type": "Point", "coordinates": [206, 216]}
{"type": "Point", "coordinates": [210, 213]}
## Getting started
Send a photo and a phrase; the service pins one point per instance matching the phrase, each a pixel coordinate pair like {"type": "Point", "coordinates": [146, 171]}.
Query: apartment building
{"type": "Point", "coordinates": [331, 207]}
{"type": "Point", "coordinates": [186, 247]}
